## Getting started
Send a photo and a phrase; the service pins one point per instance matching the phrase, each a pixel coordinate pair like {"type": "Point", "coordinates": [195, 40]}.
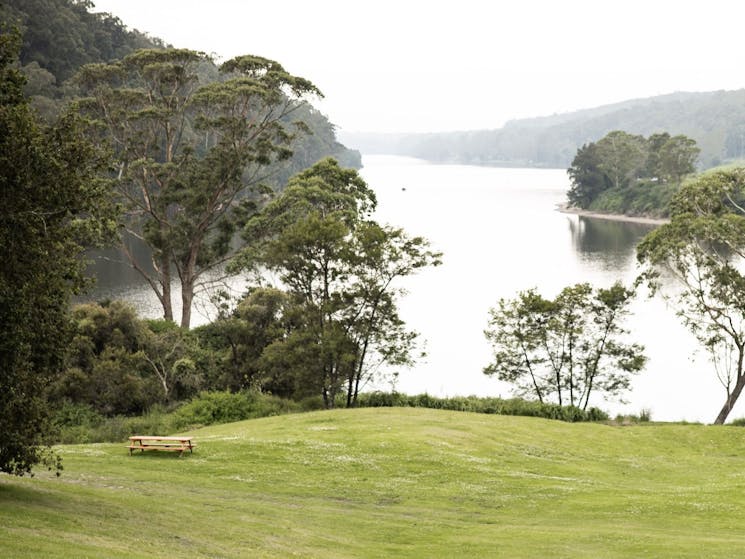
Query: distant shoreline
{"type": "Point", "coordinates": [563, 208]}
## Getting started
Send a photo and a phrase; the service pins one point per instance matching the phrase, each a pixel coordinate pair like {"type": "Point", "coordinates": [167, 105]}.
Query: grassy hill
{"type": "Point", "coordinates": [392, 483]}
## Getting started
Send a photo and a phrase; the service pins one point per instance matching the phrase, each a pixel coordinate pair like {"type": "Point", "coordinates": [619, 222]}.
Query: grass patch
{"type": "Point", "coordinates": [392, 482]}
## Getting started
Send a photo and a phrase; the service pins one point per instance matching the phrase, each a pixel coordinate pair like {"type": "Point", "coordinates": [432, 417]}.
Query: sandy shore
{"type": "Point", "coordinates": [612, 217]}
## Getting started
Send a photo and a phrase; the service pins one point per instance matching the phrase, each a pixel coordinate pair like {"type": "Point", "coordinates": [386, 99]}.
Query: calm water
{"type": "Point", "coordinates": [500, 233]}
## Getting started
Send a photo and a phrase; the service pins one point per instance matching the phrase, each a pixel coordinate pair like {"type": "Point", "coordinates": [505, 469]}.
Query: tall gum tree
{"type": "Point", "coordinates": [703, 250]}
{"type": "Point", "coordinates": [190, 156]}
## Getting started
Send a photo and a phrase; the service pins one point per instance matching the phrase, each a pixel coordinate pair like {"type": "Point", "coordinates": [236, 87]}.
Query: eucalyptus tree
{"type": "Point", "coordinates": [340, 267]}
{"type": "Point", "coordinates": [586, 176]}
{"type": "Point", "coordinates": [703, 249]}
{"type": "Point", "coordinates": [191, 153]}
{"type": "Point", "coordinates": [622, 157]}
{"type": "Point", "coordinates": [567, 348]}
{"type": "Point", "coordinates": [51, 205]}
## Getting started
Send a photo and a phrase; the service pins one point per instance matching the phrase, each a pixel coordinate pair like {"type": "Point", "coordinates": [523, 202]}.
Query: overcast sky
{"type": "Point", "coordinates": [418, 66]}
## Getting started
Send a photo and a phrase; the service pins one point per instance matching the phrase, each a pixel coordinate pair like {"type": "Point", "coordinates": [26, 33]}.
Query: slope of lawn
{"type": "Point", "coordinates": [392, 483]}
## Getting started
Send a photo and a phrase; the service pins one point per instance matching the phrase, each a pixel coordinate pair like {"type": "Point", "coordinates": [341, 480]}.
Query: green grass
{"type": "Point", "coordinates": [393, 482]}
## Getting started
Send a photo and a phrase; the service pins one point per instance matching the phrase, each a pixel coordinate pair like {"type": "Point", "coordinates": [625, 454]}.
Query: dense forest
{"type": "Point", "coordinates": [715, 120]}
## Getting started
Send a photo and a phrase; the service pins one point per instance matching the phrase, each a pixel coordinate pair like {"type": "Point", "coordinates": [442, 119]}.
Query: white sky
{"type": "Point", "coordinates": [435, 65]}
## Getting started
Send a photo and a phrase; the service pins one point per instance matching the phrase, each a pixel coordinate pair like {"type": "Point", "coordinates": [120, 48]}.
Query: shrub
{"type": "Point", "coordinates": [224, 407]}
{"type": "Point", "coordinates": [513, 406]}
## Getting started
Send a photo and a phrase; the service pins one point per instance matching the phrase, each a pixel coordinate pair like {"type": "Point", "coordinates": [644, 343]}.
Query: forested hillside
{"type": "Point", "coordinates": [60, 36]}
{"type": "Point", "coordinates": [715, 120]}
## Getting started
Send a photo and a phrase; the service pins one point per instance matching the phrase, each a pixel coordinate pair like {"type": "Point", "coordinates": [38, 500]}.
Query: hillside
{"type": "Point", "coordinates": [716, 120]}
{"type": "Point", "coordinates": [392, 483]}
{"type": "Point", "coordinates": [59, 36]}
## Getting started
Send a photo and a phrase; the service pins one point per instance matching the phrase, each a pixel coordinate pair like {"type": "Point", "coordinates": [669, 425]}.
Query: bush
{"type": "Point", "coordinates": [475, 404]}
{"type": "Point", "coordinates": [224, 407]}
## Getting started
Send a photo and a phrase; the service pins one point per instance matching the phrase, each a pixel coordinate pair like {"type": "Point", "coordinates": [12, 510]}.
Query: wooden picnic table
{"type": "Point", "coordinates": [154, 442]}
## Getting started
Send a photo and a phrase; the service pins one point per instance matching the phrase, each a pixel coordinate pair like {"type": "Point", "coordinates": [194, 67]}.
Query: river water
{"type": "Point", "coordinates": [500, 233]}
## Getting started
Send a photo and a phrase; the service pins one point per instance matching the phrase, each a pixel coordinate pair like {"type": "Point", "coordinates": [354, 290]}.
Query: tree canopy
{"type": "Point", "coordinates": [339, 268]}
{"type": "Point", "coordinates": [52, 204]}
{"type": "Point", "coordinates": [190, 157]}
{"type": "Point", "coordinates": [628, 174]}
{"type": "Point", "coordinates": [565, 349]}
{"type": "Point", "coordinates": [703, 248]}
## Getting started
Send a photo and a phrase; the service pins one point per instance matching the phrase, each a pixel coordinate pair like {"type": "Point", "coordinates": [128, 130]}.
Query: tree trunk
{"type": "Point", "coordinates": [187, 297]}
{"type": "Point", "coordinates": [165, 280]}
{"type": "Point", "coordinates": [735, 394]}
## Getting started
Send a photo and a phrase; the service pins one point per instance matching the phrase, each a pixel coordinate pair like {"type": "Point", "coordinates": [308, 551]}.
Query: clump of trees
{"type": "Point", "coordinates": [330, 327]}
{"type": "Point", "coordinates": [169, 117]}
{"type": "Point", "coordinates": [190, 157]}
{"type": "Point", "coordinates": [565, 349]}
{"type": "Point", "coordinates": [629, 174]}
{"type": "Point", "coordinates": [703, 249]}
{"type": "Point", "coordinates": [118, 364]}
{"type": "Point", "coordinates": [338, 268]}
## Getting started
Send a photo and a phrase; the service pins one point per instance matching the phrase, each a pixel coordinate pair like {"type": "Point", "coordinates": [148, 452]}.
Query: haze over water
{"type": "Point", "coordinates": [500, 233]}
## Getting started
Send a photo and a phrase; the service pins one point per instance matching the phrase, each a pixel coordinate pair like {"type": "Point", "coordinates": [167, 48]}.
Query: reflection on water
{"type": "Point", "coordinates": [609, 243]}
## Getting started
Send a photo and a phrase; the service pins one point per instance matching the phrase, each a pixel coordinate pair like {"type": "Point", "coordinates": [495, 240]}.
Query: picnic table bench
{"type": "Point", "coordinates": [154, 442]}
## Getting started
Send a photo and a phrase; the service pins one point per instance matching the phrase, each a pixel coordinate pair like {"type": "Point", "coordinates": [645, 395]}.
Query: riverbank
{"type": "Point", "coordinates": [563, 208]}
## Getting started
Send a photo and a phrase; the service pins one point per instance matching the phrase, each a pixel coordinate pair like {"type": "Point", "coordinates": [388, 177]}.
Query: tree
{"type": "Point", "coordinates": [238, 340]}
{"type": "Point", "coordinates": [51, 205]}
{"type": "Point", "coordinates": [588, 180]}
{"type": "Point", "coordinates": [340, 268]}
{"type": "Point", "coordinates": [622, 157]}
{"type": "Point", "coordinates": [703, 248]}
{"type": "Point", "coordinates": [676, 159]}
{"type": "Point", "coordinates": [565, 349]}
{"type": "Point", "coordinates": [190, 156]}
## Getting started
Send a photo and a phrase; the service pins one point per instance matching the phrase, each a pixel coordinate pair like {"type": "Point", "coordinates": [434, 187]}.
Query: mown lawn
{"type": "Point", "coordinates": [392, 483]}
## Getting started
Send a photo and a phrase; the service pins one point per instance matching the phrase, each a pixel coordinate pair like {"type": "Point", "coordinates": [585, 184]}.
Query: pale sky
{"type": "Point", "coordinates": [436, 65]}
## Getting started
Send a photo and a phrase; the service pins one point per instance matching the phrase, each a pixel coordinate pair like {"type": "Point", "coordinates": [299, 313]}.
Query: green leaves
{"type": "Point", "coordinates": [702, 248]}
{"type": "Point", "coordinates": [624, 173]}
{"type": "Point", "coordinates": [566, 348]}
{"type": "Point", "coordinates": [339, 268]}
{"type": "Point", "coordinates": [190, 156]}
{"type": "Point", "coordinates": [51, 202]}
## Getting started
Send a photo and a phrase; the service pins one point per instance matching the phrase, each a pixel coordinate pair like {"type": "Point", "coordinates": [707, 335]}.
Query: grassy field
{"type": "Point", "coordinates": [392, 483]}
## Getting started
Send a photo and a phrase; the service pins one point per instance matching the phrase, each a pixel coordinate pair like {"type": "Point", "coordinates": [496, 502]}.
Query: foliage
{"type": "Point", "coordinates": [78, 423]}
{"type": "Point", "coordinates": [209, 408]}
{"type": "Point", "coordinates": [702, 248]}
{"type": "Point", "coordinates": [51, 205]}
{"type": "Point", "coordinates": [476, 404]}
{"type": "Point", "coordinates": [59, 36]}
{"type": "Point", "coordinates": [626, 174]}
{"type": "Point", "coordinates": [339, 269]}
{"type": "Point", "coordinates": [564, 349]}
{"type": "Point", "coordinates": [238, 340]}
{"type": "Point", "coordinates": [190, 156]}
{"type": "Point", "coordinates": [120, 364]}
{"type": "Point", "coordinates": [62, 35]}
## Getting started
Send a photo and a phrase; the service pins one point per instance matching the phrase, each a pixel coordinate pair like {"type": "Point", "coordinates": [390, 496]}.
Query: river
{"type": "Point", "coordinates": [500, 232]}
